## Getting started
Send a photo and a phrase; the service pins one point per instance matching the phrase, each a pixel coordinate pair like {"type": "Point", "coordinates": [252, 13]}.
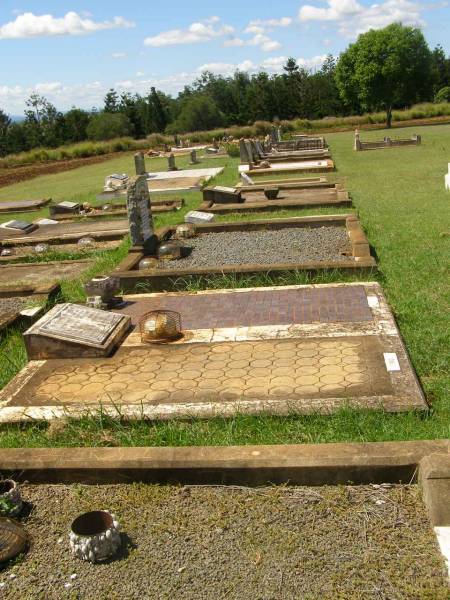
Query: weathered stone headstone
{"type": "Point", "coordinates": [194, 159]}
{"type": "Point", "coordinates": [139, 163]}
{"type": "Point", "coordinates": [243, 152]}
{"type": "Point", "coordinates": [139, 209]}
{"type": "Point", "coordinates": [251, 159]}
{"type": "Point", "coordinates": [176, 140]}
{"type": "Point", "coordinates": [72, 330]}
{"type": "Point", "coordinates": [171, 163]}
{"type": "Point", "coordinates": [357, 140]}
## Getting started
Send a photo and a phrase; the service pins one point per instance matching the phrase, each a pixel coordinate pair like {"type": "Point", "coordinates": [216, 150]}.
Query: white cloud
{"type": "Point", "coordinates": [140, 74]}
{"type": "Point", "coordinates": [28, 25]}
{"type": "Point", "coordinates": [234, 42]}
{"type": "Point", "coordinates": [227, 68]}
{"type": "Point", "coordinates": [119, 55]}
{"type": "Point", "coordinates": [201, 31]}
{"type": "Point", "coordinates": [270, 23]}
{"type": "Point", "coordinates": [355, 18]}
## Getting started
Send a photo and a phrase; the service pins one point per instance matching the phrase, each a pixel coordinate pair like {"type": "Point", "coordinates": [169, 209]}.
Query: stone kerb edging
{"type": "Point", "coordinates": [309, 464]}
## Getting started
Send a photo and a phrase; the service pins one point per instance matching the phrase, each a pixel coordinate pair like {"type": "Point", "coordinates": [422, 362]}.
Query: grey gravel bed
{"type": "Point", "coordinates": [12, 305]}
{"type": "Point", "coordinates": [364, 542]}
{"type": "Point", "coordinates": [265, 247]}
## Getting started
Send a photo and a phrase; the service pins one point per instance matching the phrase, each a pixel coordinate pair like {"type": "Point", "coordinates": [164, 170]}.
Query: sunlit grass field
{"type": "Point", "coordinates": [405, 211]}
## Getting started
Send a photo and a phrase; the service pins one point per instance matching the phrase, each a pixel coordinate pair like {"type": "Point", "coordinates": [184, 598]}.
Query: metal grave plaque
{"type": "Point", "coordinates": [78, 323]}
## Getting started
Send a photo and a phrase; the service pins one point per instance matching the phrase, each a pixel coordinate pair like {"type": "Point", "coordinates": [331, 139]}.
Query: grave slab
{"type": "Point", "coordinates": [256, 200]}
{"type": "Point", "coordinates": [319, 363]}
{"type": "Point", "coordinates": [307, 166]}
{"type": "Point", "coordinates": [34, 275]}
{"type": "Point", "coordinates": [259, 246]}
{"type": "Point", "coordinates": [15, 206]}
{"type": "Point", "coordinates": [114, 229]}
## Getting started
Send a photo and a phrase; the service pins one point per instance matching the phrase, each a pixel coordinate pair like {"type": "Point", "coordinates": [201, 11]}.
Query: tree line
{"type": "Point", "coordinates": [383, 70]}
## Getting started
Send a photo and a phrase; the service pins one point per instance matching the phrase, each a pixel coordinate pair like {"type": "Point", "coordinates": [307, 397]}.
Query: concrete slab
{"type": "Point", "coordinates": [255, 201]}
{"type": "Point", "coordinates": [37, 274]}
{"type": "Point", "coordinates": [15, 206]}
{"type": "Point", "coordinates": [206, 174]}
{"type": "Point", "coordinates": [307, 166]}
{"type": "Point", "coordinates": [114, 229]}
{"type": "Point", "coordinates": [316, 364]}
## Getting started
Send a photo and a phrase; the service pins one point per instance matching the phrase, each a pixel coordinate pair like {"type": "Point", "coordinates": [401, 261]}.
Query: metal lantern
{"type": "Point", "coordinates": [160, 326]}
{"type": "Point", "coordinates": [185, 231]}
{"type": "Point", "coordinates": [169, 251]}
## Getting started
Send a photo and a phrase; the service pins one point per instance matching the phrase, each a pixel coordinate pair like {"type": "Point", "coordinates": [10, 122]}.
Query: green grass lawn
{"type": "Point", "coordinates": [404, 209]}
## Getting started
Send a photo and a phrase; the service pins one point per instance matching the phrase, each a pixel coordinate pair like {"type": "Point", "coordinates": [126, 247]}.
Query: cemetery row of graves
{"type": "Point", "coordinates": [300, 328]}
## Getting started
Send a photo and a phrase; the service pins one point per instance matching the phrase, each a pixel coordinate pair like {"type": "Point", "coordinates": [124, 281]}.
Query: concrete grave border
{"type": "Point", "coordinates": [22, 205]}
{"type": "Point", "coordinates": [162, 279]}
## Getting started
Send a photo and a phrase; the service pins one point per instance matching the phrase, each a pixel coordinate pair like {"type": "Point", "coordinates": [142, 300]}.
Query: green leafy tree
{"type": "Point", "coordinates": [76, 121]}
{"type": "Point", "coordinates": [198, 113]}
{"type": "Point", "coordinates": [160, 116]}
{"type": "Point", "coordinates": [106, 126]}
{"type": "Point", "coordinates": [5, 123]}
{"type": "Point", "coordinates": [384, 69]}
{"type": "Point", "coordinates": [111, 101]}
{"type": "Point", "coordinates": [443, 95]}
{"type": "Point", "coordinates": [44, 125]}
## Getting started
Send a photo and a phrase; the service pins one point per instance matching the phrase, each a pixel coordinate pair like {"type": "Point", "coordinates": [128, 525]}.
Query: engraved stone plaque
{"type": "Point", "coordinates": [80, 323]}
{"type": "Point", "coordinates": [69, 330]}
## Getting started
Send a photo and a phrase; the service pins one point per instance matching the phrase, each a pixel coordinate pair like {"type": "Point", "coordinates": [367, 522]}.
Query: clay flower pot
{"type": "Point", "coordinates": [95, 536]}
{"type": "Point", "coordinates": [10, 498]}
{"type": "Point", "coordinates": [271, 193]}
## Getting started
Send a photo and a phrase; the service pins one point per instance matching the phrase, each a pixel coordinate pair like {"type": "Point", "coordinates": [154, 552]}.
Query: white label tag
{"type": "Point", "coordinates": [372, 301]}
{"type": "Point", "coordinates": [391, 360]}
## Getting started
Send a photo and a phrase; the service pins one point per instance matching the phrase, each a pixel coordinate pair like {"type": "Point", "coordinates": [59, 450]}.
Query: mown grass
{"type": "Point", "coordinates": [399, 194]}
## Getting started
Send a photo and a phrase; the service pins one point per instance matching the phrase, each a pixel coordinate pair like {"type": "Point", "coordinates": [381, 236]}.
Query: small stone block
{"type": "Point", "coordinates": [64, 207]}
{"type": "Point", "coordinates": [22, 226]}
{"type": "Point", "coordinates": [222, 195]}
{"type": "Point", "coordinates": [195, 216]}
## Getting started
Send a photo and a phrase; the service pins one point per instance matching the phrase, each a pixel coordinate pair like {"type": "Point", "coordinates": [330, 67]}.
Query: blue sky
{"type": "Point", "coordinates": [73, 51]}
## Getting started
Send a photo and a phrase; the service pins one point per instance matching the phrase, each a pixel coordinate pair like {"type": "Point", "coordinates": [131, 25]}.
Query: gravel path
{"type": "Point", "coordinates": [362, 542]}
{"type": "Point", "coordinates": [292, 245]}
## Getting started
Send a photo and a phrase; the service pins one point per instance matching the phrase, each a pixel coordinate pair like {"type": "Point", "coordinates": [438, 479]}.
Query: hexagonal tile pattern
{"type": "Point", "coordinates": [219, 372]}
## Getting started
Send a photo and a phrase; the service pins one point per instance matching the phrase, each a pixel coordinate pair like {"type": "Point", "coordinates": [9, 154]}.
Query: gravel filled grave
{"type": "Point", "coordinates": [265, 247]}
{"type": "Point", "coordinates": [361, 542]}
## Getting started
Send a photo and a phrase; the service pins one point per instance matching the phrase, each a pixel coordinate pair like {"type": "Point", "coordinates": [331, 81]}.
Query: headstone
{"type": "Point", "coordinates": [73, 330]}
{"type": "Point", "coordinates": [64, 208]}
{"type": "Point", "coordinates": [171, 163]}
{"type": "Point", "coordinates": [243, 152]}
{"type": "Point", "coordinates": [139, 163]}
{"type": "Point", "coordinates": [139, 211]}
{"type": "Point", "coordinates": [222, 195]}
{"type": "Point", "coordinates": [259, 148]}
{"type": "Point", "coordinates": [176, 140]}
{"type": "Point", "coordinates": [22, 226]}
{"type": "Point", "coordinates": [357, 140]}
{"type": "Point", "coordinates": [194, 159]}
{"type": "Point", "coordinates": [197, 217]}
{"type": "Point", "coordinates": [447, 179]}
{"type": "Point", "coordinates": [215, 144]}
{"type": "Point", "coordinates": [251, 159]}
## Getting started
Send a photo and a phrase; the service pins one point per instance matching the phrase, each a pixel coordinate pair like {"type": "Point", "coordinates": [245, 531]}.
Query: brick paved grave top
{"type": "Point", "coordinates": [259, 307]}
{"type": "Point", "coordinates": [280, 368]}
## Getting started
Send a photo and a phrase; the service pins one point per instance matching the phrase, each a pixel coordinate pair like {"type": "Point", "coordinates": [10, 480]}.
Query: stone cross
{"type": "Point", "coordinates": [139, 208]}
{"type": "Point", "coordinates": [171, 163]}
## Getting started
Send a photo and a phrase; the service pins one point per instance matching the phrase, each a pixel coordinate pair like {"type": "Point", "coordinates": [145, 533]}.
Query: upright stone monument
{"type": "Point", "coordinates": [171, 163]}
{"type": "Point", "coordinates": [139, 209]}
{"type": "Point", "coordinates": [357, 140]}
{"type": "Point", "coordinates": [194, 159]}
